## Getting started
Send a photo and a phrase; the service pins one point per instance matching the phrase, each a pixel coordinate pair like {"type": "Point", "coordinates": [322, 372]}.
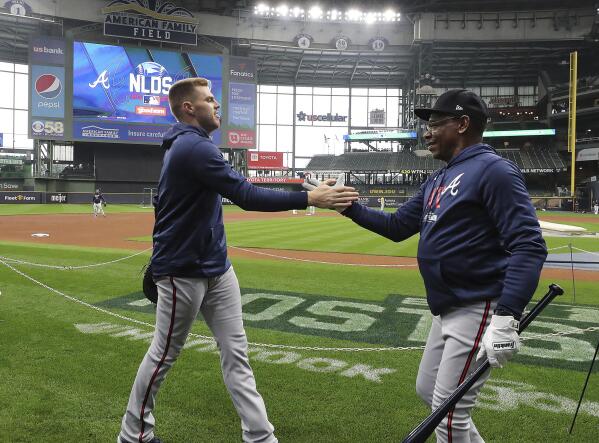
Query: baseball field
{"type": "Point", "coordinates": [336, 317]}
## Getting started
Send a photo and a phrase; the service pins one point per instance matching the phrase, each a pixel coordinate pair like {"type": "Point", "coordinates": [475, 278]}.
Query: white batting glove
{"type": "Point", "coordinates": [501, 340]}
{"type": "Point", "coordinates": [310, 184]}
{"type": "Point", "coordinates": [340, 180]}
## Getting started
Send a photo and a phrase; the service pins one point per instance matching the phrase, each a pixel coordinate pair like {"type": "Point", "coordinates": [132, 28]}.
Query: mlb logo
{"type": "Point", "coordinates": [152, 100]}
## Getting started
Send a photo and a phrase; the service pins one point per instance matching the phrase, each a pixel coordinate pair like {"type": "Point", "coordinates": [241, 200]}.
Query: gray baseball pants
{"type": "Point", "coordinates": [179, 300]}
{"type": "Point", "coordinates": [449, 357]}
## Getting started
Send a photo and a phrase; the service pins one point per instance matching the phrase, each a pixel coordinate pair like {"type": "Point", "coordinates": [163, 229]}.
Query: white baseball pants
{"type": "Point", "coordinates": [179, 300]}
{"type": "Point", "coordinates": [449, 357]}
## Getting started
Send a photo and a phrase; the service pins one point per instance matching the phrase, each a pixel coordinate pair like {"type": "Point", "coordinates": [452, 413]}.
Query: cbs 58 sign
{"type": "Point", "coordinates": [47, 128]}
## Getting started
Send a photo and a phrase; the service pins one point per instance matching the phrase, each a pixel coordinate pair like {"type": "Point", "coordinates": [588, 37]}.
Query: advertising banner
{"type": "Point", "coordinates": [47, 91]}
{"type": "Point", "coordinates": [286, 180]}
{"type": "Point", "coordinates": [47, 51]}
{"type": "Point", "coordinates": [56, 197]}
{"type": "Point", "coordinates": [19, 197]}
{"type": "Point", "coordinates": [265, 160]}
{"type": "Point", "coordinates": [242, 103]}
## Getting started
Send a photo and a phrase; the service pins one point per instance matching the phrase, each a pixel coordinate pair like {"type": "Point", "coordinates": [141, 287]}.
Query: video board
{"type": "Point", "coordinates": [102, 92]}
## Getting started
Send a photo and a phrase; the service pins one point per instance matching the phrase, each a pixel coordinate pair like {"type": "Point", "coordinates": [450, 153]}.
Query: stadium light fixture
{"type": "Point", "coordinates": [297, 12]}
{"type": "Point", "coordinates": [315, 13]}
{"type": "Point", "coordinates": [282, 10]}
{"type": "Point", "coordinates": [370, 17]}
{"type": "Point", "coordinates": [389, 15]}
{"type": "Point", "coordinates": [261, 9]}
{"type": "Point", "coordinates": [353, 15]}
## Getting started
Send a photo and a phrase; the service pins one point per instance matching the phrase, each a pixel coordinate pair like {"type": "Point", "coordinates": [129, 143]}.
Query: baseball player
{"type": "Point", "coordinates": [190, 264]}
{"type": "Point", "coordinates": [98, 203]}
{"type": "Point", "coordinates": [480, 254]}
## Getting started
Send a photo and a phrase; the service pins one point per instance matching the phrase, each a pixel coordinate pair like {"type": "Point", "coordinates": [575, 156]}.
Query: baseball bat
{"type": "Point", "coordinates": [428, 425]}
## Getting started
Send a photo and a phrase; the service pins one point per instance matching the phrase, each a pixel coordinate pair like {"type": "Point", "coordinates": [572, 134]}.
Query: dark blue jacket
{"type": "Point", "coordinates": [479, 234]}
{"type": "Point", "coordinates": [189, 236]}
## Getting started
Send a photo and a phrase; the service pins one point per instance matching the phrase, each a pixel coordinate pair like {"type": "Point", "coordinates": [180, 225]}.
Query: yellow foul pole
{"type": "Point", "coordinates": [572, 120]}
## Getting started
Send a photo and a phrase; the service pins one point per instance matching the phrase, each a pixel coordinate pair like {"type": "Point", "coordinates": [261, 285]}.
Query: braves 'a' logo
{"type": "Point", "coordinates": [453, 186]}
{"type": "Point", "coordinates": [102, 79]}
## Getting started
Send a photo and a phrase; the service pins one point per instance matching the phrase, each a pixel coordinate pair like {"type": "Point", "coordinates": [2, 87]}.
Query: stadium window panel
{"type": "Point", "coordinates": [340, 106]}
{"type": "Point", "coordinates": [258, 108]}
{"type": "Point", "coordinates": [303, 90]}
{"type": "Point", "coordinates": [393, 112]}
{"type": "Point", "coordinates": [7, 80]}
{"type": "Point", "coordinates": [268, 138]}
{"type": "Point", "coordinates": [20, 122]}
{"type": "Point", "coordinates": [488, 91]}
{"type": "Point", "coordinates": [268, 88]}
{"type": "Point", "coordinates": [321, 106]}
{"type": "Point", "coordinates": [301, 163]}
{"type": "Point", "coordinates": [391, 92]}
{"type": "Point", "coordinates": [22, 141]}
{"type": "Point", "coordinates": [377, 111]}
{"type": "Point", "coordinates": [284, 138]}
{"type": "Point", "coordinates": [322, 91]}
{"type": "Point", "coordinates": [23, 69]}
{"type": "Point", "coordinates": [526, 90]}
{"type": "Point", "coordinates": [359, 91]}
{"type": "Point", "coordinates": [340, 91]}
{"type": "Point", "coordinates": [9, 67]}
{"type": "Point", "coordinates": [21, 92]}
{"type": "Point", "coordinates": [6, 121]}
{"type": "Point", "coordinates": [268, 108]}
{"type": "Point", "coordinates": [506, 90]}
{"type": "Point", "coordinates": [310, 140]}
{"type": "Point", "coordinates": [377, 92]}
{"type": "Point", "coordinates": [359, 111]}
{"type": "Point", "coordinates": [8, 140]}
{"type": "Point", "coordinates": [284, 109]}
{"type": "Point", "coordinates": [334, 140]}
{"type": "Point", "coordinates": [303, 104]}
{"type": "Point", "coordinates": [285, 90]}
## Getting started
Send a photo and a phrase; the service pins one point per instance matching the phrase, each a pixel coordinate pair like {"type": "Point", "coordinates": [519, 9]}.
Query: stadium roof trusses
{"type": "Point", "coordinates": [292, 65]}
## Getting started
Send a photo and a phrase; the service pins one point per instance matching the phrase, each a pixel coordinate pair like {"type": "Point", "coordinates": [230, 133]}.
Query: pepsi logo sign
{"type": "Point", "coordinates": [48, 86]}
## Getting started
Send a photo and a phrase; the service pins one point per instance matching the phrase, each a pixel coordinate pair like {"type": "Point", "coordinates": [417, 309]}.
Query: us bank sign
{"type": "Point", "coordinates": [154, 20]}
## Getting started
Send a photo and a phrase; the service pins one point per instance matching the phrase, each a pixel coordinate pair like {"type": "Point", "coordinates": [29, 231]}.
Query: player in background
{"type": "Point", "coordinates": [480, 254]}
{"type": "Point", "coordinates": [98, 203]}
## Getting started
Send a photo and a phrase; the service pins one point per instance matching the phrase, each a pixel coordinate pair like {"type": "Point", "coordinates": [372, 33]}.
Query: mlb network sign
{"type": "Point", "coordinates": [159, 21]}
{"type": "Point", "coordinates": [47, 91]}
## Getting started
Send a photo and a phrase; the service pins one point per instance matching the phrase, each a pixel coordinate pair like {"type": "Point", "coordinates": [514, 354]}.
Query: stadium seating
{"type": "Point", "coordinates": [526, 159]}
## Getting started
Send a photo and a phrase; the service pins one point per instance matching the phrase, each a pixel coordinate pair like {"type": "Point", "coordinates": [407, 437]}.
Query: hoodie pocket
{"type": "Point", "coordinates": [216, 245]}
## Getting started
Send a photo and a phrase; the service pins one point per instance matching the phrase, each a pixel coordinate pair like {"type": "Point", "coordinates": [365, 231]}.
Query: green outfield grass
{"type": "Point", "coordinates": [31, 209]}
{"type": "Point", "coordinates": [339, 234]}
{"type": "Point", "coordinates": [67, 369]}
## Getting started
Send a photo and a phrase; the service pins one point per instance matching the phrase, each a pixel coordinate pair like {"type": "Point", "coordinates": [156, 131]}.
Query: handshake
{"type": "Point", "coordinates": [330, 194]}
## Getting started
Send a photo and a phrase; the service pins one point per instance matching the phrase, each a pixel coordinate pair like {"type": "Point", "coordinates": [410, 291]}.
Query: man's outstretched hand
{"type": "Point", "coordinates": [330, 194]}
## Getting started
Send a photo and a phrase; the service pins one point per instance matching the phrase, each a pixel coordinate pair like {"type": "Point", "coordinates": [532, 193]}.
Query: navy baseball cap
{"type": "Point", "coordinates": [456, 102]}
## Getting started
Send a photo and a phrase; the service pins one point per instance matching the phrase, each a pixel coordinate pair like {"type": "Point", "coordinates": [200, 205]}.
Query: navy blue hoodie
{"type": "Point", "coordinates": [189, 236]}
{"type": "Point", "coordinates": [479, 235]}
